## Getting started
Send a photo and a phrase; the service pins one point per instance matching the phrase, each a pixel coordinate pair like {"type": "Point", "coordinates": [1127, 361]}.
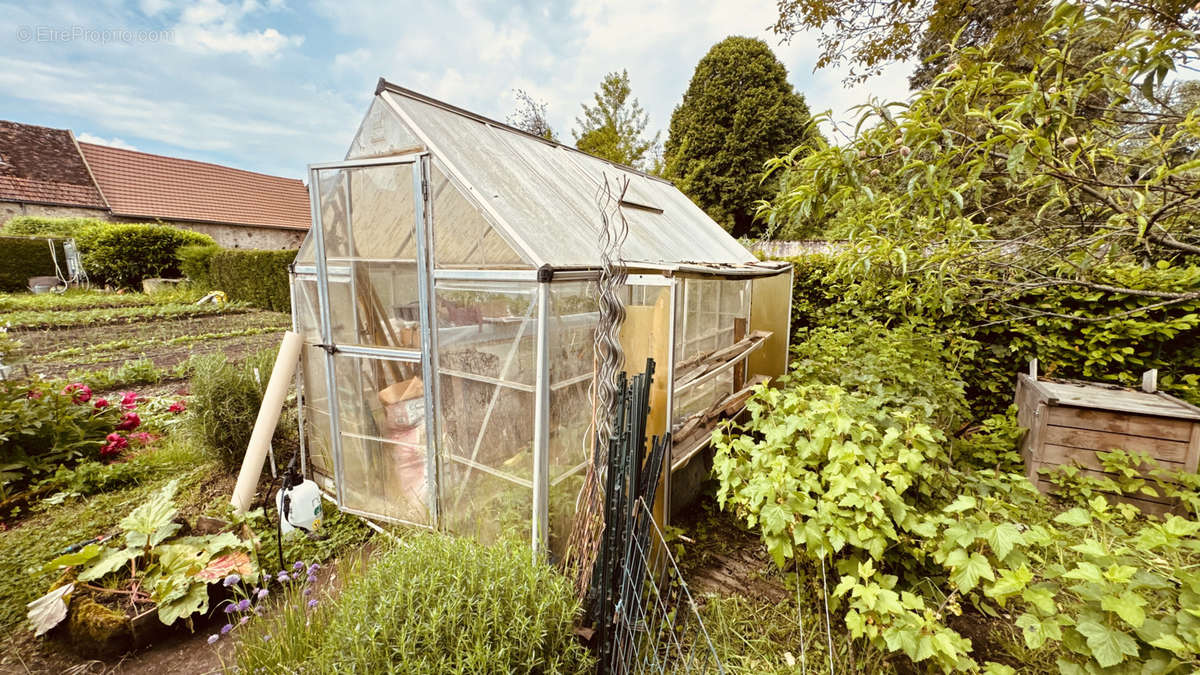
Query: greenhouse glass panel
{"type": "Point", "coordinates": [382, 134]}
{"type": "Point", "coordinates": [306, 309]}
{"type": "Point", "coordinates": [381, 421]}
{"type": "Point", "coordinates": [316, 410]}
{"type": "Point", "coordinates": [705, 323]}
{"type": "Point", "coordinates": [368, 220]}
{"type": "Point", "coordinates": [487, 334]}
{"type": "Point", "coordinates": [462, 237]}
{"type": "Point", "coordinates": [573, 317]}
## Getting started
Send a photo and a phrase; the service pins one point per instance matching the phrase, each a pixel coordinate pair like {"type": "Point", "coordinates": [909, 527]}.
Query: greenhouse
{"type": "Point", "coordinates": [447, 299]}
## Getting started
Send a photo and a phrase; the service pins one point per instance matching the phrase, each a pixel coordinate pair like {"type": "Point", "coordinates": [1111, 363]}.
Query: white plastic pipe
{"type": "Point", "coordinates": [268, 418]}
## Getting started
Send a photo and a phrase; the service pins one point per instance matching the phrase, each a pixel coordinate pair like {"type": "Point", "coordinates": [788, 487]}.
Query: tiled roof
{"type": "Point", "coordinates": [141, 185]}
{"type": "Point", "coordinates": [39, 164]}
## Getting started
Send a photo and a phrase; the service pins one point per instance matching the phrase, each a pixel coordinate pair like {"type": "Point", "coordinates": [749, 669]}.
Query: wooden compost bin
{"type": "Point", "coordinates": [1069, 422]}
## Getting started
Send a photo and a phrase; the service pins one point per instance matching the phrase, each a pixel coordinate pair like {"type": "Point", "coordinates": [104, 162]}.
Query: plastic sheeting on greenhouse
{"type": "Point", "coordinates": [446, 294]}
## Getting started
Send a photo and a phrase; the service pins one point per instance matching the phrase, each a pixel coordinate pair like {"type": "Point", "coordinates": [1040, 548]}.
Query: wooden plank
{"type": "Point", "coordinates": [739, 371]}
{"type": "Point", "coordinates": [1178, 401]}
{"type": "Point", "coordinates": [1031, 407]}
{"type": "Point", "coordinates": [1038, 386]}
{"type": "Point", "coordinates": [1061, 454]}
{"type": "Point", "coordinates": [1193, 454]}
{"type": "Point", "coordinates": [1089, 395]}
{"type": "Point", "coordinates": [1172, 451]}
{"type": "Point", "coordinates": [1117, 423]}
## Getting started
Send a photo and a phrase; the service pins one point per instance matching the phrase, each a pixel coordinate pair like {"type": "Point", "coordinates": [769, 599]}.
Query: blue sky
{"type": "Point", "coordinates": [273, 85]}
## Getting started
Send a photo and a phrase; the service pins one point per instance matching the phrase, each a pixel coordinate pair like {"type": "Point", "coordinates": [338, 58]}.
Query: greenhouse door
{"type": "Point", "coordinates": [370, 236]}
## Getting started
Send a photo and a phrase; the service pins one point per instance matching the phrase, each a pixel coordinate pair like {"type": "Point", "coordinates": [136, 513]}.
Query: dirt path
{"type": "Point", "coordinates": [724, 558]}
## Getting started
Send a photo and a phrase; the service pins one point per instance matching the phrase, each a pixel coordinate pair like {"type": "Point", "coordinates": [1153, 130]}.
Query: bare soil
{"type": "Point", "coordinates": [724, 558]}
{"type": "Point", "coordinates": [37, 343]}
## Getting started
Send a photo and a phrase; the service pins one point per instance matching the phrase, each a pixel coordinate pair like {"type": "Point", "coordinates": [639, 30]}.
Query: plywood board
{"type": "Point", "coordinates": [644, 334]}
{"type": "Point", "coordinates": [771, 310]}
{"type": "Point", "coordinates": [1138, 425]}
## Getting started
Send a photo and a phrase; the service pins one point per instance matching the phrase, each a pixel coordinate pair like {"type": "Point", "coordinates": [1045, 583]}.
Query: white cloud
{"type": "Point", "coordinates": [215, 26]}
{"type": "Point", "coordinates": [352, 60]}
{"type": "Point", "coordinates": [241, 85]}
{"type": "Point", "coordinates": [113, 142]}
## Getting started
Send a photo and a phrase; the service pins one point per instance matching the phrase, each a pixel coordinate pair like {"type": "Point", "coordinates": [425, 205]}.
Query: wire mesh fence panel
{"type": "Point", "coordinates": [656, 626]}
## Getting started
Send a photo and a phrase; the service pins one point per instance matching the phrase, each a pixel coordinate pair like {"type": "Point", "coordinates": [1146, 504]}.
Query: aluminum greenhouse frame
{"type": "Point", "coordinates": [446, 295]}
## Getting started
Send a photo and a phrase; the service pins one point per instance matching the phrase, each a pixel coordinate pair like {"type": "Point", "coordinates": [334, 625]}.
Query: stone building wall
{"type": "Point", "coordinates": [239, 236]}
{"type": "Point", "coordinates": [10, 210]}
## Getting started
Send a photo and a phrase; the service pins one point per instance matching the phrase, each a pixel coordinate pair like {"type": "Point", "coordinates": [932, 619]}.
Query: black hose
{"type": "Point", "coordinates": [278, 517]}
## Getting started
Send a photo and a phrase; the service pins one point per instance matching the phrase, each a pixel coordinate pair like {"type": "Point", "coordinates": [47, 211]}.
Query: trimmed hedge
{"type": "Point", "coordinates": [24, 257]}
{"type": "Point", "coordinates": [41, 226]}
{"type": "Point", "coordinates": [256, 277]}
{"type": "Point", "coordinates": [124, 254]}
{"type": "Point", "coordinates": [119, 254]}
{"type": "Point", "coordinates": [195, 262]}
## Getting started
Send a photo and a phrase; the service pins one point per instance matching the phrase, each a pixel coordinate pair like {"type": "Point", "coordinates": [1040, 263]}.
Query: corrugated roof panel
{"type": "Point", "coordinates": [546, 194]}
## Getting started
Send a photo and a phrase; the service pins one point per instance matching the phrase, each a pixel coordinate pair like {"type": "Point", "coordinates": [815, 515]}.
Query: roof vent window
{"type": "Point", "coordinates": [638, 205]}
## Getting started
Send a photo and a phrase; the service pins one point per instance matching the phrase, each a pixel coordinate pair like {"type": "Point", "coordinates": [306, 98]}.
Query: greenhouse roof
{"type": "Point", "coordinates": [543, 196]}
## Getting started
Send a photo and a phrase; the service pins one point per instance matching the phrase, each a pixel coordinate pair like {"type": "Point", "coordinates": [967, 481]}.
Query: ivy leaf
{"type": "Point", "coordinates": [1109, 647]}
{"type": "Point", "coordinates": [1002, 538]}
{"type": "Point", "coordinates": [1091, 548]}
{"type": "Point", "coordinates": [1085, 571]}
{"type": "Point", "coordinates": [1037, 631]}
{"type": "Point", "coordinates": [967, 575]}
{"type": "Point", "coordinates": [1171, 643]}
{"type": "Point", "coordinates": [1128, 606]}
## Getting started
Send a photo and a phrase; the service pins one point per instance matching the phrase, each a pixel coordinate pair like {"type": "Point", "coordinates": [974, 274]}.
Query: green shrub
{"type": "Point", "coordinates": [1073, 332]}
{"type": "Point", "coordinates": [22, 258]}
{"type": "Point", "coordinates": [225, 401]}
{"type": "Point", "coordinates": [40, 226]}
{"type": "Point", "coordinates": [430, 604]}
{"type": "Point", "coordinates": [195, 261]}
{"type": "Point", "coordinates": [904, 368]}
{"type": "Point", "coordinates": [259, 278]}
{"type": "Point", "coordinates": [122, 255]}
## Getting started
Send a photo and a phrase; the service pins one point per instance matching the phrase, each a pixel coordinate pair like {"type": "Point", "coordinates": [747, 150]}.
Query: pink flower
{"type": "Point", "coordinates": [129, 400]}
{"type": "Point", "coordinates": [101, 403]}
{"type": "Point", "coordinates": [116, 443]}
{"type": "Point", "coordinates": [80, 392]}
{"type": "Point", "coordinates": [129, 422]}
{"type": "Point", "coordinates": [178, 406]}
{"type": "Point", "coordinates": [33, 395]}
